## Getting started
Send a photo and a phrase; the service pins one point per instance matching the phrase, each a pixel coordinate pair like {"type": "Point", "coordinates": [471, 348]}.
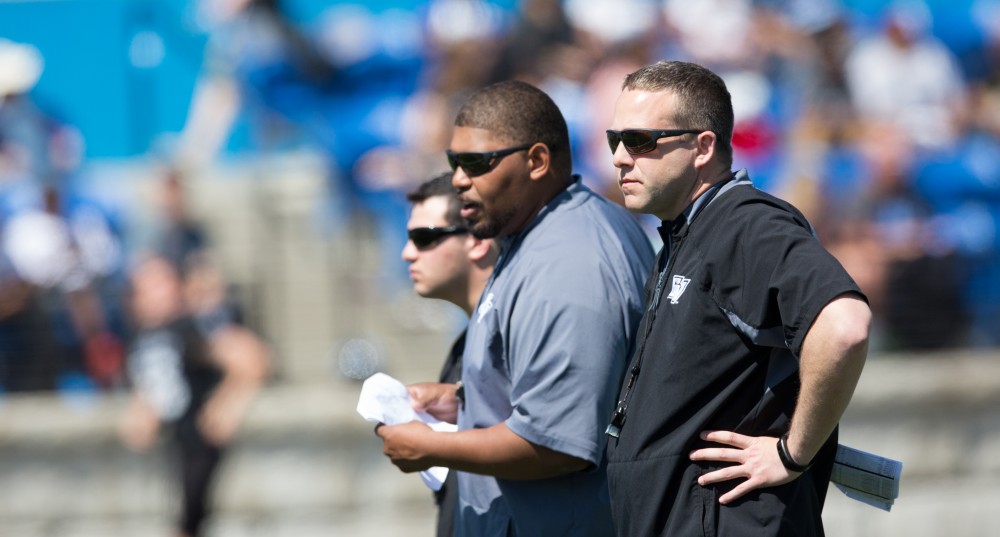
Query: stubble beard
{"type": "Point", "coordinates": [484, 230]}
{"type": "Point", "coordinates": [489, 226]}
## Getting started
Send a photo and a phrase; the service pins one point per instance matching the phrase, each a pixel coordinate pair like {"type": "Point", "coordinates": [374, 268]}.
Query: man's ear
{"type": "Point", "coordinates": [706, 148]}
{"type": "Point", "coordinates": [481, 250]}
{"type": "Point", "coordinates": [539, 161]}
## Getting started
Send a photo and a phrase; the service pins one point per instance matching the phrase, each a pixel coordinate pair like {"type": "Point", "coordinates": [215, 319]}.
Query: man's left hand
{"type": "Point", "coordinates": [754, 458]}
{"type": "Point", "coordinates": [402, 444]}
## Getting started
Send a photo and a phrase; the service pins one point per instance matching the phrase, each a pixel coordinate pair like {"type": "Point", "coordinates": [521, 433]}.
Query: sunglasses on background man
{"type": "Point", "coordinates": [425, 237]}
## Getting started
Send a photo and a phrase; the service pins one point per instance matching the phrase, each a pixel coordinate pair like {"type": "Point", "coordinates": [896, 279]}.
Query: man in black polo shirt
{"type": "Point", "coordinates": [753, 339]}
{"type": "Point", "coordinates": [448, 263]}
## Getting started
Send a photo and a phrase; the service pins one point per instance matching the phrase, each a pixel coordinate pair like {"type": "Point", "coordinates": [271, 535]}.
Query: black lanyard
{"type": "Point", "coordinates": [671, 250]}
{"type": "Point", "coordinates": [675, 239]}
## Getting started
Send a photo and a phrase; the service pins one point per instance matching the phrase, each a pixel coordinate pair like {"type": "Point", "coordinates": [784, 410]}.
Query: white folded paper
{"type": "Point", "coordinates": [385, 400]}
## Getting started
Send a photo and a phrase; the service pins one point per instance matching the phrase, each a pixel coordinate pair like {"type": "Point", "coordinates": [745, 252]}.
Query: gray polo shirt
{"type": "Point", "coordinates": [545, 354]}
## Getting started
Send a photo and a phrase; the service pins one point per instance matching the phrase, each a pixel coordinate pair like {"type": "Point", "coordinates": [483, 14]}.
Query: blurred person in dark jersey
{"type": "Point", "coordinates": [193, 375]}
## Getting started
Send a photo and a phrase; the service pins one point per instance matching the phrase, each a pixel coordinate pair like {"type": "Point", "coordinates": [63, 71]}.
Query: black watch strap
{"type": "Point", "coordinates": [786, 457]}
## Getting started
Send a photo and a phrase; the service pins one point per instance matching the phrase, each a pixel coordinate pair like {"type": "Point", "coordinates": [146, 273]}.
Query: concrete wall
{"type": "Point", "coordinates": [307, 464]}
{"type": "Point", "coordinates": [940, 415]}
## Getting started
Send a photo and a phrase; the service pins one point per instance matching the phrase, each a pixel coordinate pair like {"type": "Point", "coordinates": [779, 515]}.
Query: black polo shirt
{"type": "Point", "coordinates": [744, 281]}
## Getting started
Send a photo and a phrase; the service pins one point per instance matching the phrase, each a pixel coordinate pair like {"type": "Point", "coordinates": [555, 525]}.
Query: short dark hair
{"type": "Point", "coordinates": [519, 113]}
{"type": "Point", "coordinates": [440, 186]}
{"type": "Point", "coordinates": [703, 100]}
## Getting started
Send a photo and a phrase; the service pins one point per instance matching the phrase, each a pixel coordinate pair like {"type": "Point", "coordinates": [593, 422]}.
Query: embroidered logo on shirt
{"type": "Point", "coordinates": [484, 307]}
{"type": "Point", "coordinates": [677, 288]}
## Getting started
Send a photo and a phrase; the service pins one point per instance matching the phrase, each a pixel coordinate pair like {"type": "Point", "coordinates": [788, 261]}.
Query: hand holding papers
{"type": "Point", "coordinates": [385, 400]}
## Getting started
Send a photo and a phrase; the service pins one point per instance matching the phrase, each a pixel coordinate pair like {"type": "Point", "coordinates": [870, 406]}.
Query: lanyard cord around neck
{"type": "Point", "coordinates": [675, 240]}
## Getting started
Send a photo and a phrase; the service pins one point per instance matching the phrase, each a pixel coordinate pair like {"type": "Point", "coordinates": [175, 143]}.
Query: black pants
{"type": "Point", "coordinates": [197, 461]}
{"type": "Point", "coordinates": [447, 502]}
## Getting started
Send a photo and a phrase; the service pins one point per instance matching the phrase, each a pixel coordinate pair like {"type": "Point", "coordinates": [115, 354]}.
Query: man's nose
{"type": "Point", "coordinates": [409, 252]}
{"type": "Point", "coordinates": [621, 157]}
{"type": "Point", "coordinates": [460, 180]}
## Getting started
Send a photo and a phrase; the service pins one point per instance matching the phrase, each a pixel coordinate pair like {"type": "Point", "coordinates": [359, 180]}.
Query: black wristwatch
{"type": "Point", "coordinates": [786, 457]}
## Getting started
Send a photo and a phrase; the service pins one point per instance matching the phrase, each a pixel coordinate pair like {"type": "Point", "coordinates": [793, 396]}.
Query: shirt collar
{"type": "Point", "coordinates": [669, 227]}
{"type": "Point", "coordinates": [510, 242]}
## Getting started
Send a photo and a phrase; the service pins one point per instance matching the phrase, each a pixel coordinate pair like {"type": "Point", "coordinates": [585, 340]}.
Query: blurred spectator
{"type": "Point", "coordinates": [922, 304]}
{"type": "Point", "coordinates": [257, 60]}
{"type": "Point", "coordinates": [183, 240]}
{"type": "Point", "coordinates": [601, 26]}
{"type": "Point", "coordinates": [817, 86]}
{"type": "Point", "coordinates": [962, 192]}
{"type": "Point", "coordinates": [728, 36]}
{"type": "Point", "coordinates": [602, 89]}
{"type": "Point", "coordinates": [531, 47]}
{"type": "Point", "coordinates": [178, 234]}
{"type": "Point", "coordinates": [192, 372]}
{"type": "Point", "coordinates": [715, 33]}
{"type": "Point", "coordinates": [906, 77]}
{"type": "Point", "coordinates": [810, 40]}
{"type": "Point", "coordinates": [340, 91]}
{"type": "Point", "coordinates": [587, 77]}
{"type": "Point", "coordinates": [37, 147]}
{"type": "Point", "coordinates": [64, 263]}
{"type": "Point", "coordinates": [58, 251]}
{"type": "Point", "coordinates": [464, 39]}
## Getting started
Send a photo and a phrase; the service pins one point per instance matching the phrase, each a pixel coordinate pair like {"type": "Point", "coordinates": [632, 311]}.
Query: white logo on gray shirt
{"type": "Point", "coordinates": [484, 308]}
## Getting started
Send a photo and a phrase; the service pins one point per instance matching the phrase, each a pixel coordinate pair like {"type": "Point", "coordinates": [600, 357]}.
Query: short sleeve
{"type": "Point", "coordinates": [568, 355]}
{"type": "Point", "coordinates": [785, 276]}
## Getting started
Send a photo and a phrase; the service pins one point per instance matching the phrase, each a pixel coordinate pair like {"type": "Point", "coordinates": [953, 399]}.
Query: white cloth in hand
{"type": "Point", "coordinates": [385, 400]}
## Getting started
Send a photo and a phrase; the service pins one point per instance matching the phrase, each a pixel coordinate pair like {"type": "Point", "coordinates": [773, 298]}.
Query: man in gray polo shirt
{"type": "Point", "coordinates": [549, 339]}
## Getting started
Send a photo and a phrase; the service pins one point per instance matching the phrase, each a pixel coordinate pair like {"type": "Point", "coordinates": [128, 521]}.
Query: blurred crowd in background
{"type": "Point", "coordinates": [879, 119]}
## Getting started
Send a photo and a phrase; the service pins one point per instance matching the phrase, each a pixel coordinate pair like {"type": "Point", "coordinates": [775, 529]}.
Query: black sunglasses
{"type": "Point", "coordinates": [425, 237]}
{"type": "Point", "coordinates": [639, 141]}
{"type": "Point", "coordinates": [479, 163]}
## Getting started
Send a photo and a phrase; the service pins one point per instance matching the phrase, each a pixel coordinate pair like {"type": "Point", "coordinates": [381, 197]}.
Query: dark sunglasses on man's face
{"type": "Point", "coordinates": [479, 163]}
{"type": "Point", "coordinates": [425, 237]}
{"type": "Point", "coordinates": [639, 141]}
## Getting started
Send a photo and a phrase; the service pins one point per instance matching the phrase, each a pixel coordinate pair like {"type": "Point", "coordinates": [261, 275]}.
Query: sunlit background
{"type": "Point", "coordinates": [277, 139]}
